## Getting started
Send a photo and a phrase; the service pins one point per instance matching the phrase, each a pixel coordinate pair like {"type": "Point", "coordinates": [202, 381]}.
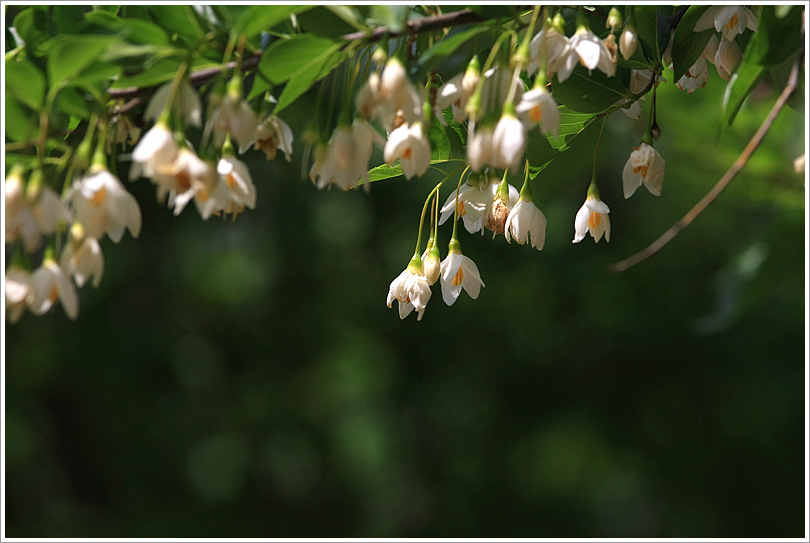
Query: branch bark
{"type": "Point", "coordinates": [712, 195]}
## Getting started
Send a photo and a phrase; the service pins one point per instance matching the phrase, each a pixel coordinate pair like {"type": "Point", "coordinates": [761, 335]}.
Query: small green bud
{"type": "Point", "coordinates": [614, 19]}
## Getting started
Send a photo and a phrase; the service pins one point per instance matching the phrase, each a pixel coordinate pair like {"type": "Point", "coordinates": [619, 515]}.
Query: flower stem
{"type": "Point", "coordinates": [455, 212]}
{"type": "Point", "coordinates": [424, 208]}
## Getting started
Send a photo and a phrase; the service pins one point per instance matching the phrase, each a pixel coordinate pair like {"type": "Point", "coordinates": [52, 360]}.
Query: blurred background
{"type": "Point", "coordinates": [245, 379]}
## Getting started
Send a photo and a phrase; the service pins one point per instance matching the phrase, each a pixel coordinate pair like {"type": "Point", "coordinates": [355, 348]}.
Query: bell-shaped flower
{"type": "Point", "coordinates": [32, 211]}
{"type": "Point", "coordinates": [551, 42]}
{"type": "Point", "coordinates": [459, 271]}
{"type": "Point", "coordinates": [190, 104]}
{"type": "Point", "coordinates": [695, 77]}
{"type": "Point", "coordinates": [710, 52]}
{"type": "Point", "coordinates": [343, 161]}
{"type": "Point", "coordinates": [456, 92]}
{"type": "Point", "coordinates": [473, 202]}
{"type": "Point", "coordinates": [103, 205]}
{"type": "Point", "coordinates": [183, 178]}
{"type": "Point", "coordinates": [645, 165]}
{"type": "Point", "coordinates": [157, 148]}
{"type": "Point", "coordinates": [498, 82]}
{"type": "Point", "coordinates": [727, 58]}
{"type": "Point", "coordinates": [273, 134]}
{"type": "Point", "coordinates": [526, 221]}
{"type": "Point", "coordinates": [235, 117]}
{"type": "Point", "coordinates": [730, 20]}
{"type": "Point", "coordinates": [399, 101]}
{"type": "Point", "coordinates": [410, 289]}
{"type": "Point", "coordinates": [410, 145]}
{"type": "Point", "coordinates": [17, 284]}
{"type": "Point", "coordinates": [479, 145]}
{"type": "Point", "coordinates": [49, 285]}
{"type": "Point", "coordinates": [82, 257]}
{"type": "Point", "coordinates": [538, 107]}
{"type": "Point", "coordinates": [121, 130]}
{"type": "Point", "coordinates": [233, 191]}
{"type": "Point", "coordinates": [368, 97]}
{"type": "Point", "coordinates": [508, 140]}
{"type": "Point", "coordinates": [592, 217]}
{"type": "Point", "coordinates": [586, 48]}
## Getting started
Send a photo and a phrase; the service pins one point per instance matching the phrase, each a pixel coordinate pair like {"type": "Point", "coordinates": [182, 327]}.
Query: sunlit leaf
{"type": "Point", "coordinates": [258, 18]}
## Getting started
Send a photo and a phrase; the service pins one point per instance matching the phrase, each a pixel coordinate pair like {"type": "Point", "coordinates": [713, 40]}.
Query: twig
{"type": "Point", "coordinates": [455, 18]}
{"type": "Point", "coordinates": [741, 161]}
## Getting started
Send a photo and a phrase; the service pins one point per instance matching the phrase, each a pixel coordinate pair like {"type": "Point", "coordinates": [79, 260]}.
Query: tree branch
{"type": "Point", "coordinates": [738, 165]}
{"type": "Point", "coordinates": [136, 95]}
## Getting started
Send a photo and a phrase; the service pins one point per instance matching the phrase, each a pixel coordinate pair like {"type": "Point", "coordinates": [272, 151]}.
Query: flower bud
{"type": "Point", "coordinates": [628, 42]}
{"type": "Point", "coordinates": [614, 19]}
{"type": "Point", "coordinates": [432, 265]}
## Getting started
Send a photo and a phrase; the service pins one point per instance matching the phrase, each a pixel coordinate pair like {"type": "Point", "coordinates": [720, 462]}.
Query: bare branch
{"type": "Point", "coordinates": [738, 165]}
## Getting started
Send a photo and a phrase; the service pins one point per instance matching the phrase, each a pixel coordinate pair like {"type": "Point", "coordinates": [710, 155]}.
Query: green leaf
{"type": "Point", "coordinates": [445, 143]}
{"type": "Point", "coordinates": [349, 15]}
{"type": "Point", "coordinates": [742, 82]}
{"type": "Point", "coordinates": [392, 17]}
{"type": "Point", "coordinates": [688, 45]}
{"type": "Point", "coordinates": [775, 38]}
{"type": "Point", "coordinates": [323, 22]}
{"type": "Point", "coordinates": [306, 76]}
{"type": "Point", "coordinates": [20, 122]}
{"type": "Point", "coordinates": [66, 18]}
{"type": "Point", "coordinates": [158, 72]}
{"type": "Point", "coordinates": [136, 30]}
{"type": "Point", "coordinates": [97, 71]}
{"type": "Point", "coordinates": [286, 57]}
{"type": "Point", "coordinates": [73, 102]}
{"type": "Point", "coordinates": [385, 171]}
{"type": "Point", "coordinates": [647, 28]}
{"type": "Point", "coordinates": [540, 151]}
{"type": "Point", "coordinates": [69, 55]}
{"type": "Point", "coordinates": [591, 93]}
{"type": "Point", "coordinates": [255, 19]}
{"type": "Point", "coordinates": [443, 49]}
{"type": "Point", "coordinates": [26, 82]}
{"type": "Point", "coordinates": [31, 25]}
{"type": "Point", "coordinates": [178, 19]}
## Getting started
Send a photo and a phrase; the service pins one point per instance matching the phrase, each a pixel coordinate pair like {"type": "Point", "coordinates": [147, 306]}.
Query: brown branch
{"type": "Point", "coordinates": [136, 95]}
{"type": "Point", "coordinates": [738, 165]}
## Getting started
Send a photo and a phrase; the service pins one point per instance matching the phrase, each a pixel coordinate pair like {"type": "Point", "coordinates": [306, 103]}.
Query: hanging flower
{"type": "Point", "coordinates": [525, 220]}
{"type": "Point", "coordinates": [473, 200]}
{"type": "Point", "coordinates": [17, 286]}
{"type": "Point", "coordinates": [628, 42]}
{"type": "Point", "coordinates": [410, 289]}
{"type": "Point", "coordinates": [273, 134]}
{"type": "Point", "coordinates": [551, 42]}
{"type": "Point", "coordinates": [592, 217]}
{"type": "Point", "coordinates": [82, 257]}
{"type": "Point", "coordinates": [457, 91]}
{"type": "Point", "coordinates": [234, 116]}
{"type": "Point", "coordinates": [695, 77]}
{"type": "Point", "coordinates": [190, 104]}
{"type": "Point", "coordinates": [504, 198]}
{"type": "Point", "coordinates": [459, 271]}
{"type": "Point", "coordinates": [233, 191]}
{"type": "Point", "coordinates": [431, 263]}
{"type": "Point", "coordinates": [31, 212]}
{"type": "Point", "coordinates": [104, 206]}
{"type": "Point", "coordinates": [727, 58]}
{"type": "Point", "coordinates": [410, 145]}
{"type": "Point", "coordinates": [183, 178]}
{"type": "Point", "coordinates": [508, 140]}
{"type": "Point", "coordinates": [730, 20]}
{"type": "Point", "coordinates": [157, 148]}
{"type": "Point", "coordinates": [644, 165]}
{"type": "Point", "coordinates": [49, 284]}
{"type": "Point", "coordinates": [538, 107]}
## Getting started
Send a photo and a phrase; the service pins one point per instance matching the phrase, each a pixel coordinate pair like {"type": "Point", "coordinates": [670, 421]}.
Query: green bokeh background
{"type": "Point", "coordinates": [245, 379]}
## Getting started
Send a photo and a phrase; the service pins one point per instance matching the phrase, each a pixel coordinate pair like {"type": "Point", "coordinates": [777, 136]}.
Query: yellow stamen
{"type": "Point", "coordinates": [536, 114]}
{"type": "Point", "coordinates": [99, 197]}
{"type": "Point", "coordinates": [458, 278]}
{"type": "Point", "coordinates": [408, 153]}
{"type": "Point", "coordinates": [230, 180]}
{"type": "Point", "coordinates": [594, 220]}
{"type": "Point", "coordinates": [732, 23]}
{"type": "Point", "coordinates": [642, 169]}
{"type": "Point", "coordinates": [461, 209]}
{"type": "Point", "coordinates": [54, 295]}
{"type": "Point", "coordinates": [183, 180]}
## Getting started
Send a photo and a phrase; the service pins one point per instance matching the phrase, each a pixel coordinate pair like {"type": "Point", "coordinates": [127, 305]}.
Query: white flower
{"type": "Point", "coordinates": [122, 130]}
{"type": "Point", "coordinates": [710, 52]}
{"type": "Point", "coordinates": [183, 178]}
{"type": "Point", "coordinates": [411, 290]}
{"type": "Point", "coordinates": [453, 94]}
{"type": "Point", "coordinates": [592, 217]}
{"type": "Point", "coordinates": [459, 271]}
{"type": "Point", "coordinates": [81, 259]}
{"type": "Point", "coordinates": [17, 287]}
{"type": "Point", "coordinates": [798, 164]}
{"type": "Point", "coordinates": [538, 107]}
{"type": "Point", "coordinates": [695, 77]}
{"type": "Point", "coordinates": [273, 134]}
{"type": "Point", "coordinates": [397, 95]}
{"type": "Point", "coordinates": [236, 117]}
{"type": "Point", "coordinates": [472, 206]}
{"type": "Point", "coordinates": [368, 97]}
{"type": "Point", "coordinates": [497, 84]}
{"type": "Point", "coordinates": [644, 165]}
{"type": "Point", "coordinates": [554, 44]}
{"type": "Point", "coordinates": [49, 284]}
{"type": "Point", "coordinates": [730, 20]}
{"type": "Point", "coordinates": [591, 52]}
{"type": "Point", "coordinates": [628, 42]}
{"type": "Point", "coordinates": [524, 221]}
{"type": "Point", "coordinates": [344, 159]}
{"type": "Point", "coordinates": [410, 145]}
{"type": "Point", "coordinates": [634, 111]}
{"type": "Point", "coordinates": [190, 105]}
{"type": "Point", "coordinates": [508, 142]}
{"type": "Point", "coordinates": [479, 145]}
{"type": "Point", "coordinates": [156, 148]}
{"type": "Point", "coordinates": [727, 58]}
{"type": "Point", "coordinates": [103, 206]}
{"type": "Point", "coordinates": [233, 191]}
{"type": "Point", "coordinates": [30, 219]}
